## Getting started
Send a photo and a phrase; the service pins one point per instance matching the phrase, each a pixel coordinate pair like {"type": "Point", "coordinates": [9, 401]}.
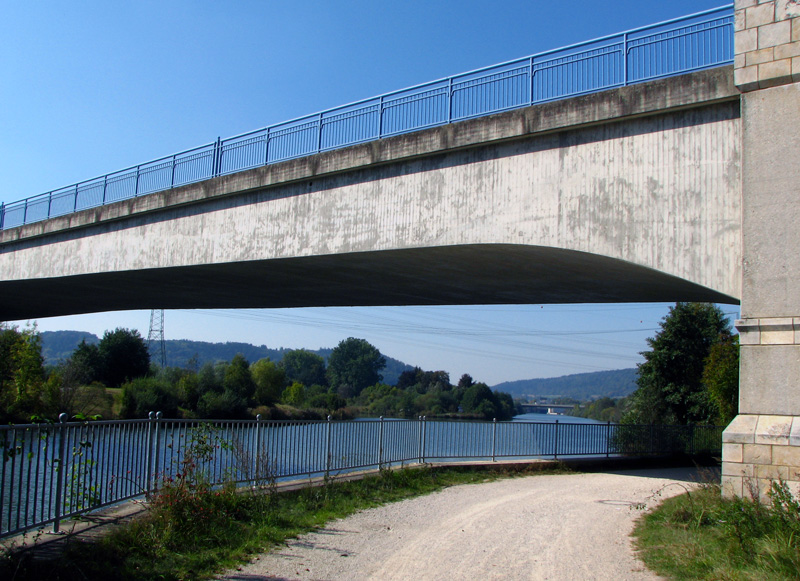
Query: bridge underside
{"type": "Point", "coordinates": [466, 274]}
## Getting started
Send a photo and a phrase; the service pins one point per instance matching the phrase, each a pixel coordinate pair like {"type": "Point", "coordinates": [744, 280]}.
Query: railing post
{"type": "Point", "coordinates": [49, 206]}
{"type": "Point", "coordinates": [530, 81]}
{"type": "Point", "coordinates": [380, 444]}
{"type": "Point", "coordinates": [60, 471]}
{"type": "Point", "coordinates": [75, 201]}
{"type": "Point", "coordinates": [494, 439]}
{"type": "Point", "coordinates": [380, 118]}
{"type": "Point", "coordinates": [555, 450]}
{"type": "Point", "coordinates": [450, 100]}
{"type": "Point", "coordinates": [257, 451]}
{"type": "Point", "coordinates": [328, 450]}
{"type": "Point", "coordinates": [319, 133]}
{"type": "Point", "coordinates": [2, 214]}
{"type": "Point", "coordinates": [105, 189]}
{"type": "Point", "coordinates": [625, 59]}
{"type": "Point", "coordinates": [136, 187]}
{"type": "Point", "coordinates": [422, 442]}
{"type": "Point", "coordinates": [25, 213]}
{"type": "Point", "coordinates": [149, 459]}
{"type": "Point", "coordinates": [419, 439]}
{"type": "Point", "coordinates": [608, 438]}
{"type": "Point", "coordinates": [266, 147]}
{"type": "Point", "coordinates": [157, 454]}
{"type": "Point", "coordinates": [172, 177]}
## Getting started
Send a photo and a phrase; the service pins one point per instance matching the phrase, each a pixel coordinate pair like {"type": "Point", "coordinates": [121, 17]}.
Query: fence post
{"type": "Point", "coordinates": [422, 442]}
{"type": "Point", "coordinates": [151, 416]}
{"type": "Point", "coordinates": [494, 438]}
{"type": "Point", "coordinates": [328, 450]}
{"type": "Point", "coordinates": [157, 449]}
{"type": "Point", "coordinates": [380, 444]}
{"type": "Point", "coordinates": [257, 451]}
{"type": "Point", "coordinates": [555, 450]}
{"type": "Point", "coordinates": [608, 438]}
{"type": "Point", "coordinates": [61, 470]}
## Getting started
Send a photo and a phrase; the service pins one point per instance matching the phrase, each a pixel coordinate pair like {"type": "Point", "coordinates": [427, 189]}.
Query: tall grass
{"type": "Point", "coordinates": [700, 535]}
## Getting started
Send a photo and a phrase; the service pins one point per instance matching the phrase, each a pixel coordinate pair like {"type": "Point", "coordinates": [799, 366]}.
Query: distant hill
{"type": "Point", "coordinates": [59, 345]}
{"type": "Point", "coordinates": [581, 386]}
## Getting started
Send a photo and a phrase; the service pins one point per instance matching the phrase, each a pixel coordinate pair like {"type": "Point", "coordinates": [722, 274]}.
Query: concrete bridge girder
{"type": "Point", "coordinates": [609, 198]}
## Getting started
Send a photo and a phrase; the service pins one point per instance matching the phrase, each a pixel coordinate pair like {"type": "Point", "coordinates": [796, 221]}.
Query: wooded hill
{"type": "Point", "coordinates": [580, 386]}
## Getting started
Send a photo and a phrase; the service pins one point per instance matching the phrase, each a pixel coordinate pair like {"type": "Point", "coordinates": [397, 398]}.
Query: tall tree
{"type": "Point", "coordinates": [21, 373]}
{"type": "Point", "coordinates": [270, 380]}
{"type": "Point", "coordinates": [123, 356]}
{"type": "Point", "coordinates": [353, 365]}
{"type": "Point", "coordinates": [305, 367]}
{"type": "Point", "coordinates": [670, 380]}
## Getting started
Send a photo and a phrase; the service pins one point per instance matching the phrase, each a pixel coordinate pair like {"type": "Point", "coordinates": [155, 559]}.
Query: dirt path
{"type": "Point", "coordinates": [573, 526]}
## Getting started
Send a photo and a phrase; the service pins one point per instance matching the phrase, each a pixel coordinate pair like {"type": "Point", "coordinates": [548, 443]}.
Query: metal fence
{"type": "Point", "coordinates": [55, 471]}
{"type": "Point", "coordinates": [678, 46]}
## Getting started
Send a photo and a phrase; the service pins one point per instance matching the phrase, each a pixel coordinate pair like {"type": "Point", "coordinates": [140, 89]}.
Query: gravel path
{"type": "Point", "coordinates": [571, 526]}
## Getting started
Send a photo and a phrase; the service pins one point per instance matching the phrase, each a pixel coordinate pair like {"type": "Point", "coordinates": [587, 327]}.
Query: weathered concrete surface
{"type": "Point", "coordinates": [632, 194]}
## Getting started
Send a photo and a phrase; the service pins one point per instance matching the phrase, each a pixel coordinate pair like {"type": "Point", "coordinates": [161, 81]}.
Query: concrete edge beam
{"type": "Point", "coordinates": [644, 99]}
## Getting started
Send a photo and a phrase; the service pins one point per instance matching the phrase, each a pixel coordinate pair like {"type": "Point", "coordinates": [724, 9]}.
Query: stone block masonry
{"type": "Point", "coordinates": [767, 43]}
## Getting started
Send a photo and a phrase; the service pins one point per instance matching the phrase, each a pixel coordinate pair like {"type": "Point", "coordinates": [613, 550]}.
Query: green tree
{"type": "Point", "coordinates": [294, 395]}
{"type": "Point", "coordinates": [238, 379]}
{"type": "Point", "coordinates": [21, 373]}
{"type": "Point", "coordinates": [353, 365]}
{"type": "Point", "coordinates": [304, 366]}
{"type": "Point", "coordinates": [123, 357]}
{"type": "Point", "coordinates": [270, 380]}
{"type": "Point", "coordinates": [721, 378]}
{"type": "Point", "coordinates": [670, 389]}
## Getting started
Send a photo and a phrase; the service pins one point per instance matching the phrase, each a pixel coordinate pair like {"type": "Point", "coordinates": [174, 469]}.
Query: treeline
{"type": "Point", "coordinates": [301, 385]}
{"type": "Point", "coordinates": [57, 346]}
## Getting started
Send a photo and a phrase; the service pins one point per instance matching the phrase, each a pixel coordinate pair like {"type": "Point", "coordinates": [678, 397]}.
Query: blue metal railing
{"type": "Point", "coordinates": [678, 46]}
{"type": "Point", "coordinates": [50, 472]}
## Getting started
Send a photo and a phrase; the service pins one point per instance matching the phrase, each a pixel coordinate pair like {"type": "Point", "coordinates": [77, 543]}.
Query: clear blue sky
{"type": "Point", "coordinates": [90, 87]}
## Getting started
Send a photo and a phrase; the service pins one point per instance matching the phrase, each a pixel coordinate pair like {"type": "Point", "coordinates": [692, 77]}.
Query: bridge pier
{"type": "Point", "coordinates": [763, 443]}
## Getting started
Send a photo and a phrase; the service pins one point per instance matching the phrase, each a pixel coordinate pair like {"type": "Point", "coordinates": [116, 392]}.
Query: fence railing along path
{"type": "Point", "coordinates": [51, 472]}
{"type": "Point", "coordinates": [678, 46]}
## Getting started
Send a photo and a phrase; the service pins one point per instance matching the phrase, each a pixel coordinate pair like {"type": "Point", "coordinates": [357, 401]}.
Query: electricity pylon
{"type": "Point", "coordinates": [155, 339]}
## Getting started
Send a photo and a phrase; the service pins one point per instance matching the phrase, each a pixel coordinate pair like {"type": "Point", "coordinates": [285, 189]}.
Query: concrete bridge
{"type": "Point", "coordinates": [682, 188]}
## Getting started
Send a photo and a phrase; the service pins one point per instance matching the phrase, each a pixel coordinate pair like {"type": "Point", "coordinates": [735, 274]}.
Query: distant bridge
{"type": "Point", "coordinates": [534, 408]}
